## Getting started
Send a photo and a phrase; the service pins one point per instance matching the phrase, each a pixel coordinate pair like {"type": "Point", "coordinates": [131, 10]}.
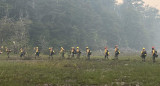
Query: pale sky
{"type": "Point", "coordinates": [153, 3]}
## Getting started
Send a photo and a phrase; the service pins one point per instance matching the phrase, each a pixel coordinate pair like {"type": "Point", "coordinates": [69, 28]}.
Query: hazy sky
{"type": "Point", "coordinates": [153, 3]}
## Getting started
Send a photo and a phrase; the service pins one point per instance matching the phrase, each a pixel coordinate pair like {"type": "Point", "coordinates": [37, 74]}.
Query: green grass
{"type": "Point", "coordinates": [127, 71]}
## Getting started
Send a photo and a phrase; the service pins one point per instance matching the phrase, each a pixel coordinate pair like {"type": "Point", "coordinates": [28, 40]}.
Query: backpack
{"type": "Point", "coordinates": [107, 52]}
{"type": "Point", "coordinates": [117, 52]}
{"type": "Point", "coordinates": [144, 53]}
{"type": "Point", "coordinates": [53, 52]}
{"type": "Point", "coordinates": [90, 52]}
{"type": "Point", "coordinates": [155, 54]}
{"type": "Point", "coordinates": [74, 52]}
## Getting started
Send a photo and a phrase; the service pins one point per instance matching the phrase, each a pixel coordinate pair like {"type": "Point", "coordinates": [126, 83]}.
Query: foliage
{"type": "Point", "coordinates": [67, 23]}
{"type": "Point", "coordinates": [79, 72]}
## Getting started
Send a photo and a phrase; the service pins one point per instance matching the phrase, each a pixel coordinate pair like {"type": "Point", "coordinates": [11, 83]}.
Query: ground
{"type": "Point", "coordinates": [127, 71]}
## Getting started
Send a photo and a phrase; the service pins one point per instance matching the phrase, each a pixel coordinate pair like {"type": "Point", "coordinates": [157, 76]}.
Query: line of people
{"type": "Point", "coordinates": [154, 54]}
{"type": "Point", "coordinates": [117, 52]}
{"type": "Point", "coordinates": [77, 52]}
{"type": "Point", "coordinates": [62, 52]}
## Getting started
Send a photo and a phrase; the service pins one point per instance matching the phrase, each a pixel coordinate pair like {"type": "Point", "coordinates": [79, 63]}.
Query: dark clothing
{"type": "Point", "coordinates": [62, 55]}
{"type": "Point", "coordinates": [37, 54]}
{"type": "Point", "coordinates": [106, 54]}
{"type": "Point", "coordinates": [73, 52]}
{"type": "Point", "coordinates": [78, 52]}
{"type": "Point", "coordinates": [154, 59]}
{"type": "Point", "coordinates": [143, 55]}
{"type": "Point", "coordinates": [8, 52]}
{"type": "Point", "coordinates": [51, 54]}
{"type": "Point", "coordinates": [117, 52]}
{"type": "Point", "coordinates": [88, 53]}
{"type": "Point", "coordinates": [154, 55]}
{"type": "Point", "coordinates": [88, 56]}
{"type": "Point", "coordinates": [22, 54]}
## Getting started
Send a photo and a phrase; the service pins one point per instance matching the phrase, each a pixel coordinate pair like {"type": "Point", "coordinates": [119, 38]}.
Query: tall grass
{"type": "Point", "coordinates": [127, 71]}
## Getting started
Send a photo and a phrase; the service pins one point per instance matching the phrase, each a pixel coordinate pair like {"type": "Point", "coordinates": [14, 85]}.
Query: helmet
{"type": "Point", "coordinates": [105, 47]}
{"type": "Point", "coordinates": [143, 48]}
{"type": "Point", "coordinates": [152, 47]}
{"type": "Point", "coordinates": [78, 47]}
{"type": "Point", "coordinates": [86, 47]}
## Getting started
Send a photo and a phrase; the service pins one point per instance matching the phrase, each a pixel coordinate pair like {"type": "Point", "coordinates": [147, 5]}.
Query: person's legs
{"type": "Point", "coordinates": [88, 57]}
{"type": "Point", "coordinates": [154, 59]}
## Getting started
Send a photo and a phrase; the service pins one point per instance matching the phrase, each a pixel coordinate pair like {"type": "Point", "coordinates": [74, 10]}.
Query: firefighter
{"type": "Point", "coordinates": [73, 51]}
{"type": "Point", "coordinates": [22, 52]}
{"type": "Point", "coordinates": [37, 52]}
{"type": "Point", "coordinates": [62, 52]}
{"type": "Point", "coordinates": [143, 54]}
{"type": "Point", "coordinates": [78, 53]}
{"type": "Point", "coordinates": [8, 52]}
{"type": "Point", "coordinates": [88, 52]}
{"type": "Point", "coordinates": [154, 54]}
{"type": "Point", "coordinates": [1, 50]}
{"type": "Point", "coordinates": [51, 52]}
{"type": "Point", "coordinates": [106, 53]}
{"type": "Point", "coordinates": [117, 52]}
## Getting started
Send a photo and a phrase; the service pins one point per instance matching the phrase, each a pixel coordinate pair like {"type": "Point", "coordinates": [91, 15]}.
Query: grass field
{"type": "Point", "coordinates": [127, 71]}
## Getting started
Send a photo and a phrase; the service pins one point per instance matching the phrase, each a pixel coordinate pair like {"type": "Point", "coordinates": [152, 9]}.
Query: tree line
{"type": "Point", "coordinates": [67, 23]}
